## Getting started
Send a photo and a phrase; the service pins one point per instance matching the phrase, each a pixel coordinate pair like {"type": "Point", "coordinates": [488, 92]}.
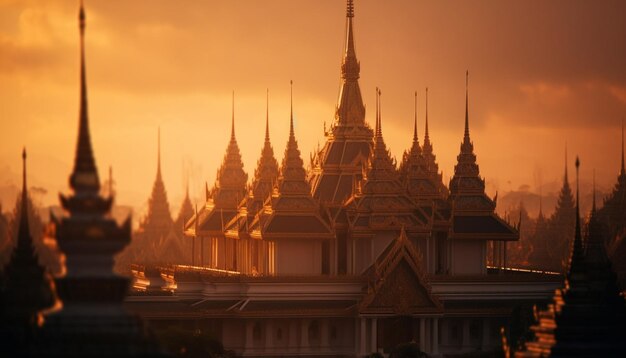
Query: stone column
{"type": "Point", "coordinates": [422, 334]}
{"type": "Point", "coordinates": [324, 334]}
{"type": "Point", "coordinates": [435, 335]}
{"type": "Point", "coordinates": [269, 335]}
{"type": "Point", "coordinates": [293, 336]}
{"type": "Point", "coordinates": [304, 336]}
{"type": "Point", "coordinates": [249, 342]}
{"type": "Point", "coordinates": [374, 335]}
{"type": "Point", "coordinates": [486, 334]}
{"type": "Point", "coordinates": [362, 336]}
{"type": "Point", "coordinates": [465, 342]}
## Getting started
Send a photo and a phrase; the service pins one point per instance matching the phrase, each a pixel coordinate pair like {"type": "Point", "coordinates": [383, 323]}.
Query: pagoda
{"type": "Point", "coordinates": [296, 228]}
{"type": "Point", "coordinates": [419, 173]}
{"type": "Point", "coordinates": [337, 166]}
{"type": "Point", "coordinates": [253, 251]}
{"type": "Point", "coordinates": [221, 207]}
{"type": "Point", "coordinates": [27, 288]}
{"type": "Point", "coordinates": [380, 206]}
{"type": "Point", "coordinates": [561, 226]}
{"type": "Point", "coordinates": [92, 321]}
{"type": "Point", "coordinates": [474, 221]}
{"type": "Point", "coordinates": [588, 315]}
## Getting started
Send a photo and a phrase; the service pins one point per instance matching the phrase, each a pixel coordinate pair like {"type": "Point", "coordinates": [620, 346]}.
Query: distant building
{"type": "Point", "coordinates": [587, 317]}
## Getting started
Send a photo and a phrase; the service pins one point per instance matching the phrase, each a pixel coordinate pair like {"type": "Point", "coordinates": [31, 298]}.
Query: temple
{"type": "Point", "coordinates": [351, 256]}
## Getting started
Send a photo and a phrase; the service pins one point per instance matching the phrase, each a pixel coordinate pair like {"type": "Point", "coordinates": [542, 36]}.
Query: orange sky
{"type": "Point", "coordinates": [541, 74]}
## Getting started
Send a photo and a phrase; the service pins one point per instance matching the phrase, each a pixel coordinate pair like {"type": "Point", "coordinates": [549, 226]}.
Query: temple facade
{"type": "Point", "coordinates": [351, 256]}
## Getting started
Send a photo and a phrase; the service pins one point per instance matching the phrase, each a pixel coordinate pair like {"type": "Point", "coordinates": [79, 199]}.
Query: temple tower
{"type": "Point", "coordinates": [252, 251]}
{"type": "Point", "coordinates": [380, 207]}
{"type": "Point", "coordinates": [221, 207]}
{"type": "Point", "coordinates": [92, 321]}
{"type": "Point", "coordinates": [27, 288]}
{"type": "Point", "coordinates": [474, 221]}
{"type": "Point", "coordinates": [299, 235]}
{"type": "Point", "coordinates": [337, 166]}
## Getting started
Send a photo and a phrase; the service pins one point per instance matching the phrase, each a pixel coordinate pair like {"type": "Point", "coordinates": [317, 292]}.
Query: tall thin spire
{"type": "Point", "coordinates": [350, 52]}
{"type": "Point", "coordinates": [577, 251]}
{"type": "Point", "coordinates": [24, 230]}
{"type": "Point", "coordinates": [426, 135]}
{"type": "Point", "coordinates": [85, 174]}
{"type": "Point", "coordinates": [466, 106]}
{"type": "Point", "coordinates": [232, 123]}
{"type": "Point", "coordinates": [291, 132]}
{"type": "Point", "coordinates": [415, 120]}
{"type": "Point", "coordinates": [159, 153]}
{"type": "Point", "coordinates": [267, 116]}
{"type": "Point", "coordinates": [565, 178]}
{"type": "Point", "coordinates": [622, 171]}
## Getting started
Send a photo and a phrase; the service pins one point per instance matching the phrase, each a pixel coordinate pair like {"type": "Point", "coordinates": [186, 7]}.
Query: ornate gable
{"type": "Point", "coordinates": [396, 284]}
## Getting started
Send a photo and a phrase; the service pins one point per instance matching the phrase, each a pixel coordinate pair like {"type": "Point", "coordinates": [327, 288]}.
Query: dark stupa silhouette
{"type": "Point", "coordinates": [92, 321]}
{"type": "Point", "coordinates": [588, 315]}
{"type": "Point", "coordinates": [27, 289]}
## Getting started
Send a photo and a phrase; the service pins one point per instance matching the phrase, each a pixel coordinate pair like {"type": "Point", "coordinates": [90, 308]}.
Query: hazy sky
{"type": "Point", "coordinates": [542, 74]}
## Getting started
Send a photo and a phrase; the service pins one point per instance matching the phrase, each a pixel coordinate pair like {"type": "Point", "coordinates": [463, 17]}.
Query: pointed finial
{"type": "Point", "coordinates": [578, 245]}
{"type": "Point", "coordinates": [426, 136]}
{"type": "Point", "coordinates": [232, 122]}
{"type": "Point", "coordinates": [24, 228]}
{"type": "Point", "coordinates": [24, 190]}
{"type": "Point", "coordinates": [565, 178]}
{"type": "Point", "coordinates": [350, 9]}
{"type": "Point", "coordinates": [466, 105]}
{"type": "Point", "coordinates": [291, 133]}
{"type": "Point", "coordinates": [159, 151]}
{"type": "Point", "coordinates": [380, 121]}
{"type": "Point", "coordinates": [415, 120]}
{"type": "Point", "coordinates": [207, 194]}
{"type": "Point", "coordinates": [267, 116]}
{"type": "Point", "coordinates": [85, 174]}
{"type": "Point", "coordinates": [110, 180]}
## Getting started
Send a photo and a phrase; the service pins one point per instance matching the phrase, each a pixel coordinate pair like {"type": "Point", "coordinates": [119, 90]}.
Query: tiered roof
{"type": "Point", "coordinates": [291, 212]}
{"type": "Point", "coordinates": [472, 210]}
{"type": "Point", "coordinates": [420, 175]}
{"type": "Point", "coordinates": [265, 176]}
{"type": "Point", "coordinates": [337, 166]}
{"type": "Point", "coordinates": [158, 222]}
{"type": "Point", "coordinates": [228, 191]}
{"type": "Point", "coordinates": [380, 201]}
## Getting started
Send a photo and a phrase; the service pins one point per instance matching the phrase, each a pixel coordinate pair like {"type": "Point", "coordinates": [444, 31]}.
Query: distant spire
{"type": "Point", "coordinates": [291, 132]}
{"type": "Point", "coordinates": [466, 107]}
{"type": "Point", "coordinates": [415, 121]}
{"type": "Point", "coordinates": [426, 135]}
{"type": "Point", "coordinates": [377, 129]}
{"type": "Point", "coordinates": [24, 230]}
{"type": "Point", "coordinates": [540, 202]}
{"type": "Point", "coordinates": [267, 116]}
{"type": "Point", "coordinates": [622, 172]}
{"type": "Point", "coordinates": [577, 251]}
{"type": "Point", "coordinates": [110, 180]}
{"type": "Point", "coordinates": [232, 124]}
{"type": "Point", "coordinates": [85, 174]}
{"type": "Point", "coordinates": [350, 52]}
{"type": "Point", "coordinates": [159, 154]}
{"type": "Point", "coordinates": [565, 177]}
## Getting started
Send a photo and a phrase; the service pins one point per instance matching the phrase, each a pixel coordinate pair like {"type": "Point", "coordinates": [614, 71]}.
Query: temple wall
{"type": "Point", "coordinates": [298, 257]}
{"type": "Point", "coordinates": [468, 257]}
